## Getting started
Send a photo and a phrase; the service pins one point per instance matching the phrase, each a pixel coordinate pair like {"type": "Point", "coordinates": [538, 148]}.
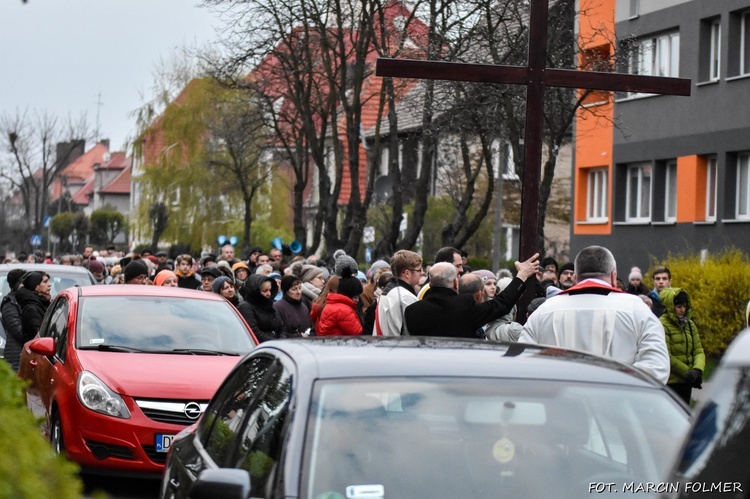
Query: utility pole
{"type": "Point", "coordinates": [99, 105]}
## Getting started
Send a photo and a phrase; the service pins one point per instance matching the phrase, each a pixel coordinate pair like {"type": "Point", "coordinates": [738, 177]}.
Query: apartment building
{"type": "Point", "coordinates": [655, 174]}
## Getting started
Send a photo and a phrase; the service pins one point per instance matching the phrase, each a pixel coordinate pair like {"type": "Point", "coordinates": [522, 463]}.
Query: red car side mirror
{"type": "Point", "coordinates": [43, 346]}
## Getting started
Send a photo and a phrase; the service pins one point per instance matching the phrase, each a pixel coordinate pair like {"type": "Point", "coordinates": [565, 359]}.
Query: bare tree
{"type": "Point", "coordinates": [31, 158]}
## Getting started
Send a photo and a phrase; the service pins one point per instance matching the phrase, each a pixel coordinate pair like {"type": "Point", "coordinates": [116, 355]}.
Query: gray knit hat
{"type": "Point", "coordinates": [378, 264]}
{"type": "Point", "coordinates": [304, 272]}
{"type": "Point", "coordinates": [218, 283]}
{"type": "Point", "coordinates": [342, 260]}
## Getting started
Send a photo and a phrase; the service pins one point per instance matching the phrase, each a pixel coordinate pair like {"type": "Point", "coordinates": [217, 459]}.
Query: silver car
{"type": "Point", "coordinates": [61, 277]}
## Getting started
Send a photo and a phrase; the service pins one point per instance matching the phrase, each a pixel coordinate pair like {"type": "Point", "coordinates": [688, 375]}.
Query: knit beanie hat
{"type": "Point", "coordinates": [162, 276]}
{"type": "Point", "coordinates": [349, 285]}
{"type": "Point", "coordinates": [14, 277]}
{"type": "Point", "coordinates": [485, 275]}
{"type": "Point", "coordinates": [134, 269]}
{"type": "Point", "coordinates": [32, 279]}
{"type": "Point", "coordinates": [218, 283]}
{"type": "Point", "coordinates": [377, 264]}
{"type": "Point", "coordinates": [288, 282]}
{"type": "Point", "coordinates": [95, 265]}
{"type": "Point", "coordinates": [240, 265]}
{"type": "Point", "coordinates": [503, 283]}
{"type": "Point", "coordinates": [635, 273]}
{"type": "Point", "coordinates": [306, 273]}
{"type": "Point", "coordinates": [564, 267]}
{"type": "Point", "coordinates": [342, 260]}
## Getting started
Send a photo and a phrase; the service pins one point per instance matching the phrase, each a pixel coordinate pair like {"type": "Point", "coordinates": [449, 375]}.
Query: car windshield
{"type": "Point", "coordinates": [473, 437]}
{"type": "Point", "coordinates": [58, 281]}
{"type": "Point", "coordinates": [160, 324]}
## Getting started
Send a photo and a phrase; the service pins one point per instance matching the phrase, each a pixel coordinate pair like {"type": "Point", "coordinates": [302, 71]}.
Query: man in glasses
{"type": "Point", "coordinates": [399, 294]}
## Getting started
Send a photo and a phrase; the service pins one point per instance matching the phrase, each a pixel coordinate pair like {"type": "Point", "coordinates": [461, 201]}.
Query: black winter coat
{"type": "Point", "coordinates": [258, 311]}
{"type": "Point", "coordinates": [443, 312]}
{"type": "Point", "coordinates": [13, 324]}
{"type": "Point", "coordinates": [33, 308]}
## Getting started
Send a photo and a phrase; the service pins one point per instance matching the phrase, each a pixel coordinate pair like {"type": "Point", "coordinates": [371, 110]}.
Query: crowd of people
{"type": "Point", "coordinates": [581, 304]}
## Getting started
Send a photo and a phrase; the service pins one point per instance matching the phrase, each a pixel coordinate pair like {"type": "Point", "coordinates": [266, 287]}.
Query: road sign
{"type": "Point", "coordinates": [46, 222]}
{"type": "Point", "coordinates": [36, 240]}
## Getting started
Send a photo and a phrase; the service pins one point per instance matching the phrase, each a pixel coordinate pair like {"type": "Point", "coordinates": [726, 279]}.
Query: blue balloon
{"type": "Point", "coordinates": [222, 239]}
{"type": "Point", "coordinates": [233, 240]}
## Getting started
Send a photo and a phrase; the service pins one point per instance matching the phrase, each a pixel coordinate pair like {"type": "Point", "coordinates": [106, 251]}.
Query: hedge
{"type": "Point", "coordinates": [29, 468]}
{"type": "Point", "coordinates": [719, 289]}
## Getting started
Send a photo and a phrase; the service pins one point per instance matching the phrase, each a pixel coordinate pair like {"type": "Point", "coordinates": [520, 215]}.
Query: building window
{"type": "Point", "coordinates": [596, 203]}
{"type": "Point", "coordinates": [638, 206]}
{"type": "Point", "coordinates": [745, 43]}
{"type": "Point", "coordinates": [711, 177]}
{"type": "Point", "coordinates": [502, 158]}
{"type": "Point", "coordinates": [743, 189]}
{"type": "Point", "coordinates": [512, 242]}
{"type": "Point", "coordinates": [709, 50]}
{"type": "Point", "coordinates": [656, 56]}
{"type": "Point", "coordinates": [715, 50]}
{"type": "Point", "coordinates": [738, 41]}
{"type": "Point", "coordinates": [670, 192]}
{"type": "Point", "coordinates": [635, 8]}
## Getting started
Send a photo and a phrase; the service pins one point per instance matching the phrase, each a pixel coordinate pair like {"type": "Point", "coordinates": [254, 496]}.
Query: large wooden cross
{"type": "Point", "coordinates": [536, 76]}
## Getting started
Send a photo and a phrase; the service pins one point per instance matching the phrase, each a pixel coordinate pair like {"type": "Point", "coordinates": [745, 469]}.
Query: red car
{"type": "Point", "coordinates": [116, 371]}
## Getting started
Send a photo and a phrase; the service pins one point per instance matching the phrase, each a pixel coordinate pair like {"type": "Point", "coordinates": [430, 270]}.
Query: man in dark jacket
{"type": "Point", "coordinates": [12, 322]}
{"type": "Point", "coordinates": [443, 312]}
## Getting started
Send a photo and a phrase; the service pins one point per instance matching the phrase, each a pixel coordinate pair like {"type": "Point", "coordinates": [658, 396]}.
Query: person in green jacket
{"type": "Point", "coordinates": [687, 360]}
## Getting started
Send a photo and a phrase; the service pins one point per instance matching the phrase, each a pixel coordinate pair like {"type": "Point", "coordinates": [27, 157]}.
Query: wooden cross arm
{"type": "Point", "coordinates": [519, 75]}
{"type": "Point", "coordinates": [620, 82]}
{"type": "Point", "coordinates": [458, 71]}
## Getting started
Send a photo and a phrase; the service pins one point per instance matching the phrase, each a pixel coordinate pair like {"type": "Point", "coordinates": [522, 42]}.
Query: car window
{"type": "Point", "coordinates": [161, 324]}
{"type": "Point", "coordinates": [262, 438]}
{"type": "Point", "coordinates": [224, 417]}
{"type": "Point", "coordinates": [530, 438]}
{"type": "Point", "coordinates": [55, 325]}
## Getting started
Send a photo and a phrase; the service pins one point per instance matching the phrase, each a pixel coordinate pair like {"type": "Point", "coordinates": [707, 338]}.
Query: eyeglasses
{"type": "Point", "coordinates": [416, 270]}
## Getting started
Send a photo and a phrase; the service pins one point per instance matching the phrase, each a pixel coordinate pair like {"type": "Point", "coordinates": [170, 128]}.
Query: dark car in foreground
{"type": "Point", "coordinates": [61, 277]}
{"type": "Point", "coordinates": [424, 417]}
{"type": "Point", "coordinates": [714, 458]}
{"type": "Point", "coordinates": [117, 371]}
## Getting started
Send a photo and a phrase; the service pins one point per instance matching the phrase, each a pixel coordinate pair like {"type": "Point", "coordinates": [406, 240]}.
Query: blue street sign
{"type": "Point", "coordinates": [36, 240]}
{"type": "Point", "coordinates": [46, 222]}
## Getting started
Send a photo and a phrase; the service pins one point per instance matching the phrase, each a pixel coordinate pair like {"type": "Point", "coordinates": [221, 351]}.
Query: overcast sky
{"type": "Point", "coordinates": [59, 55]}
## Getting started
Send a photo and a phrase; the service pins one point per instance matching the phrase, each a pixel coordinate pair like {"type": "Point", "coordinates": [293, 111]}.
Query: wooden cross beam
{"type": "Point", "coordinates": [536, 76]}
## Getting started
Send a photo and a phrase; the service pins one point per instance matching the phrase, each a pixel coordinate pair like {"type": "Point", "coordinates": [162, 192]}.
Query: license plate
{"type": "Point", "coordinates": [163, 442]}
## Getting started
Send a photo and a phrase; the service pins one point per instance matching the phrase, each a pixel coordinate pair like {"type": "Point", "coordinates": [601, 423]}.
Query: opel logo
{"type": "Point", "coordinates": [192, 410]}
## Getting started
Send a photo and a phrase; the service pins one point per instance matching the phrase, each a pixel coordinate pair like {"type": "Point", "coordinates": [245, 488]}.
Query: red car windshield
{"type": "Point", "coordinates": [160, 325]}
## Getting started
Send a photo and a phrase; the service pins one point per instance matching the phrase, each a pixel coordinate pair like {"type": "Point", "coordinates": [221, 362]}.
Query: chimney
{"type": "Point", "coordinates": [105, 143]}
{"type": "Point", "coordinates": [67, 152]}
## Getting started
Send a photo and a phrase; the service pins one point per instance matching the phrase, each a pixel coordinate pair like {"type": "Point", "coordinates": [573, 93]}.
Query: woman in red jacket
{"type": "Point", "coordinates": [340, 317]}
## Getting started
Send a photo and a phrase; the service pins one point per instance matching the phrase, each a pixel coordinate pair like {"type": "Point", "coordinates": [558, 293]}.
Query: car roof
{"type": "Point", "coordinates": [146, 290]}
{"type": "Point", "coordinates": [44, 267]}
{"type": "Point", "coordinates": [347, 357]}
{"type": "Point", "coordinates": [738, 352]}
